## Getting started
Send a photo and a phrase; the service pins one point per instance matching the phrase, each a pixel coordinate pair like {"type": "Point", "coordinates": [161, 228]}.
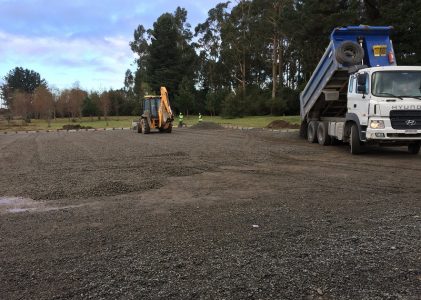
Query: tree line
{"type": "Point", "coordinates": [250, 57]}
{"type": "Point", "coordinates": [28, 96]}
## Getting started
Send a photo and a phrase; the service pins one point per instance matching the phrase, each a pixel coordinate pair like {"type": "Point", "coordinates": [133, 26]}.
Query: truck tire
{"type": "Point", "coordinates": [414, 148]}
{"type": "Point", "coordinates": [145, 126]}
{"type": "Point", "coordinates": [354, 140]}
{"type": "Point", "coordinates": [322, 134]}
{"type": "Point", "coordinates": [303, 129]}
{"type": "Point", "coordinates": [349, 53]}
{"type": "Point", "coordinates": [312, 132]}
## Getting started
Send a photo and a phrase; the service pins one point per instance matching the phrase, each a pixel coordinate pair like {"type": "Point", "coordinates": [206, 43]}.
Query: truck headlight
{"type": "Point", "coordinates": [377, 124]}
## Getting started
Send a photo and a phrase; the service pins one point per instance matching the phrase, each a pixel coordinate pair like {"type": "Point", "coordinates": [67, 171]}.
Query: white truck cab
{"type": "Point", "coordinates": [387, 103]}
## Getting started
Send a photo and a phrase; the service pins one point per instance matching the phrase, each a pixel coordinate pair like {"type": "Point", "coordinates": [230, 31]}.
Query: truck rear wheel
{"type": "Point", "coordinates": [322, 134]}
{"type": "Point", "coordinates": [312, 132]}
{"type": "Point", "coordinates": [414, 148]}
{"type": "Point", "coordinates": [145, 126]}
{"type": "Point", "coordinates": [354, 140]}
{"type": "Point", "coordinates": [303, 129]}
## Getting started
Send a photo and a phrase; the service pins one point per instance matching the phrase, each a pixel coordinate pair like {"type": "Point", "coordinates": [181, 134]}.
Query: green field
{"type": "Point", "coordinates": [124, 121]}
{"type": "Point", "coordinates": [253, 121]}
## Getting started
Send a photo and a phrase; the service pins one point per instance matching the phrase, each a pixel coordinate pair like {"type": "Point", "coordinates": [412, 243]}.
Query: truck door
{"type": "Point", "coordinates": [359, 97]}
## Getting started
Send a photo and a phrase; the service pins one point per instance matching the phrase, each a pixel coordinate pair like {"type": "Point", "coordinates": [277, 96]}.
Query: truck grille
{"type": "Point", "coordinates": [403, 135]}
{"type": "Point", "coordinates": [405, 119]}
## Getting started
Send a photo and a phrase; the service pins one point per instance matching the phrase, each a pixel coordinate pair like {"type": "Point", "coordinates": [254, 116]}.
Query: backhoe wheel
{"type": "Point", "coordinates": [139, 127]}
{"type": "Point", "coordinates": [322, 134]}
{"type": "Point", "coordinates": [312, 132]}
{"type": "Point", "coordinates": [354, 140]}
{"type": "Point", "coordinates": [169, 129]}
{"type": "Point", "coordinates": [145, 126]}
{"type": "Point", "coordinates": [414, 148]}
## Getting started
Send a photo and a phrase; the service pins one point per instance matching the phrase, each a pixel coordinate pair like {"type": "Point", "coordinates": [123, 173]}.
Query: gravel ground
{"type": "Point", "coordinates": [206, 214]}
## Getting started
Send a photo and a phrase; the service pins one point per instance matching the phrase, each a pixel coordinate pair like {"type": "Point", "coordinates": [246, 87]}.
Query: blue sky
{"type": "Point", "coordinates": [85, 41]}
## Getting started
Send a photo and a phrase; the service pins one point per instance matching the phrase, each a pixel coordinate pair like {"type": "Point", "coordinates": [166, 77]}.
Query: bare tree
{"type": "Point", "coordinates": [43, 103]}
{"type": "Point", "coordinates": [62, 106]}
{"type": "Point", "coordinates": [21, 105]}
{"type": "Point", "coordinates": [56, 94]}
{"type": "Point", "coordinates": [76, 97]}
{"type": "Point", "coordinates": [105, 104]}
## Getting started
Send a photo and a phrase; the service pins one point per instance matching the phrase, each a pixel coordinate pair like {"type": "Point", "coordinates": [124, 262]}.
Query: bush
{"type": "Point", "coordinates": [214, 101]}
{"type": "Point", "coordinates": [289, 102]}
{"type": "Point", "coordinates": [233, 105]}
{"type": "Point", "coordinates": [258, 102]}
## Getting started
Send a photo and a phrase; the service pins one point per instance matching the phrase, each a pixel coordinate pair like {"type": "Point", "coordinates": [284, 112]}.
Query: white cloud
{"type": "Point", "coordinates": [77, 58]}
{"type": "Point", "coordinates": [86, 41]}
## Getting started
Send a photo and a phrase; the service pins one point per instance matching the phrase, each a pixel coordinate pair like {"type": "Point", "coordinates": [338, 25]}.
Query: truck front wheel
{"type": "Point", "coordinates": [312, 132]}
{"type": "Point", "coordinates": [354, 140]}
{"type": "Point", "coordinates": [322, 134]}
{"type": "Point", "coordinates": [414, 148]}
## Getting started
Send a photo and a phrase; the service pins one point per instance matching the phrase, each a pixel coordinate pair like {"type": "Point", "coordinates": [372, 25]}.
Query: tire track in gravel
{"type": "Point", "coordinates": [334, 156]}
{"type": "Point", "coordinates": [7, 140]}
{"type": "Point", "coordinates": [17, 166]}
{"type": "Point", "coordinates": [15, 144]}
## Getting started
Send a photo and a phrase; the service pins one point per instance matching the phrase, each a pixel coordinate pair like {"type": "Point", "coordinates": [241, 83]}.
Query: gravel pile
{"type": "Point", "coordinates": [207, 126]}
{"type": "Point", "coordinates": [281, 124]}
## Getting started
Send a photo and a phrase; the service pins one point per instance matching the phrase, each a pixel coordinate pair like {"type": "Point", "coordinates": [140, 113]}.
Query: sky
{"type": "Point", "coordinates": [81, 41]}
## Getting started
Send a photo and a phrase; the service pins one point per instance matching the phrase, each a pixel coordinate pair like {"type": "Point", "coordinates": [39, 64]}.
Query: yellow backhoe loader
{"type": "Point", "coordinates": [157, 114]}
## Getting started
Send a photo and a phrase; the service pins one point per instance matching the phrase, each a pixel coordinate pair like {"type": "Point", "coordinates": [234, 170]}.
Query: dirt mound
{"type": "Point", "coordinates": [281, 124]}
{"type": "Point", "coordinates": [207, 125]}
{"type": "Point", "coordinates": [75, 126]}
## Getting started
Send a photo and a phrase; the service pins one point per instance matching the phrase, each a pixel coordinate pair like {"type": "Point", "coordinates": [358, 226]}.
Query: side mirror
{"type": "Point", "coordinates": [362, 79]}
{"type": "Point", "coordinates": [361, 83]}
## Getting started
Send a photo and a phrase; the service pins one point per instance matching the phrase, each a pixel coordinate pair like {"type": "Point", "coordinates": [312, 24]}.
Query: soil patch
{"type": "Point", "coordinates": [75, 127]}
{"type": "Point", "coordinates": [281, 124]}
{"type": "Point", "coordinates": [207, 125]}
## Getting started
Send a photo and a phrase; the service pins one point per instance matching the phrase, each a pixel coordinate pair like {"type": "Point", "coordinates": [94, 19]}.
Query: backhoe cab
{"type": "Point", "coordinates": [157, 114]}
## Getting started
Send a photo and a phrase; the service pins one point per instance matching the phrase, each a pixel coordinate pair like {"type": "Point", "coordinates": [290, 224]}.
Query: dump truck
{"type": "Point", "coordinates": [157, 114]}
{"type": "Point", "coordinates": [358, 95]}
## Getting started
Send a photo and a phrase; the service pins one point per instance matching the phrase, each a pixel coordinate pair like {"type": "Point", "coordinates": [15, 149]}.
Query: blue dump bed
{"type": "Point", "coordinates": [331, 74]}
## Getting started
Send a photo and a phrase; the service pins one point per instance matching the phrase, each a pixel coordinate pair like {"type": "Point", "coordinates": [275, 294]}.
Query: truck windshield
{"type": "Point", "coordinates": [397, 84]}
